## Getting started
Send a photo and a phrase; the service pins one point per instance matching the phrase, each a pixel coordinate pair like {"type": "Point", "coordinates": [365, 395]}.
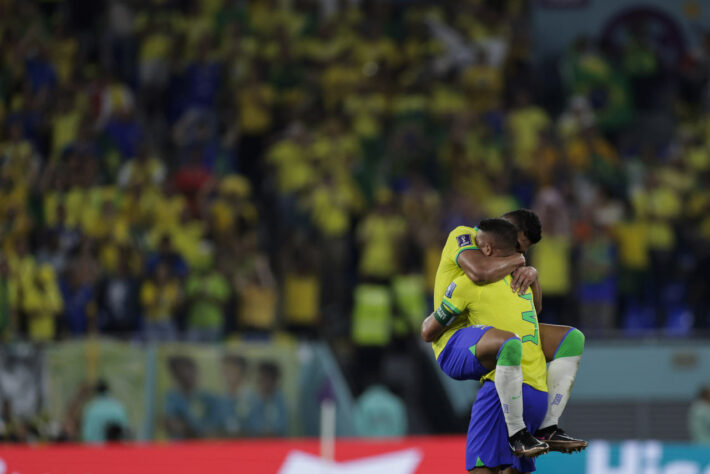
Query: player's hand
{"type": "Point", "coordinates": [523, 277]}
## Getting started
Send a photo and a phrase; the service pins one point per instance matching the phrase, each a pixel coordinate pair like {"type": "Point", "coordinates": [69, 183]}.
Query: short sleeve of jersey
{"type": "Point", "coordinates": [460, 239]}
{"type": "Point", "coordinates": [459, 295]}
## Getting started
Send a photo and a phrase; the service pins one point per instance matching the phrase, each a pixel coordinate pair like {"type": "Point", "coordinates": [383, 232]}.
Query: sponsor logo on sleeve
{"type": "Point", "coordinates": [464, 240]}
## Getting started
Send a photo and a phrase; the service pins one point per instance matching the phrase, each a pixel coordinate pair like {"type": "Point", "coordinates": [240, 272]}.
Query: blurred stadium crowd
{"type": "Point", "coordinates": [193, 169]}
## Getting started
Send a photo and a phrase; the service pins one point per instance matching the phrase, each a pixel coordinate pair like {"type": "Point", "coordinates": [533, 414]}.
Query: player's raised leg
{"type": "Point", "coordinates": [508, 350]}
{"type": "Point", "coordinates": [474, 351]}
{"type": "Point", "coordinates": [563, 347]}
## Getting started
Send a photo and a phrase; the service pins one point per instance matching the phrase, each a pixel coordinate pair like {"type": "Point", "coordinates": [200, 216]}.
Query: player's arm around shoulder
{"type": "Point", "coordinates": [481, 269]}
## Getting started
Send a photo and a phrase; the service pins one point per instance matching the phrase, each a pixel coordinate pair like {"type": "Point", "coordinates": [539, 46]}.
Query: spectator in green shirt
{"type": "Point", "coordinates": [699, 417]}
{"type": "Point", "coordinates": [104, 417]}
{"type": "Point", "coordinates": [207, 292]}
{"type": "Point", "coordinates": [380, 413]}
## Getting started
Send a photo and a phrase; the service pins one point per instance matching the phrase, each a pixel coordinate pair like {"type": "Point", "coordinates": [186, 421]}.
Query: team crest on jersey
{"type": "Point", "coordinates": [450, 289]}
{"type": "Point", "coordinates": [464, 240]}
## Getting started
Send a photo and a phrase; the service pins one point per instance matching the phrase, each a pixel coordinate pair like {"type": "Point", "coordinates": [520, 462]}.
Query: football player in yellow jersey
{"type": "Point", "coordinates": [562, 345]}
{"type": "Point", "coordinates": [516, 401]}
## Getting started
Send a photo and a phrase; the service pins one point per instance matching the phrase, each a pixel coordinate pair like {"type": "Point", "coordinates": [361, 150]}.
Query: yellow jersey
{"type": "Point", "coordinates": [495, 304]}
{"type": "Point", "coordinates": [460, 239]}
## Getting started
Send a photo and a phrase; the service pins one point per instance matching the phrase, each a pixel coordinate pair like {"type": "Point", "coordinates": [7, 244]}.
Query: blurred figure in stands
{"type": "Point", "coordinates": [235, 406]}
{"type": "Point", "coordinates": [104, 417]}
{"type": "Point", "coordinates": [267, 414]}
{"type": "Point", "coordinates": [699, 417]}
{"type": "Point", "coordinates": [160, 297]}
{"type": "Point", "coordinates": [380, 413]}
{"type": "Point", "coordinates": [167, 254]}
{"type": "Point", "coordinates": [118, 299]}
{"type": "Point", "coordinates": [189, 411]}
{"type": "Point", "coordinates": [207, 292]}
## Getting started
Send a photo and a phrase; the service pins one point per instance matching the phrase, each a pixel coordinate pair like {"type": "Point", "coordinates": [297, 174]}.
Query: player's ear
{"type": "Point", "coordinates": [486, 249]}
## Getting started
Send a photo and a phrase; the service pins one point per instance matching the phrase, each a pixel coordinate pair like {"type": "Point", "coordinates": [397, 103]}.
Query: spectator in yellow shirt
{"type": "Point", "coordinates": [160, 298]}
{"type": "Point", "coordinates": [42, 303]}
{"type": "Point", "coordinates": [380, 235]}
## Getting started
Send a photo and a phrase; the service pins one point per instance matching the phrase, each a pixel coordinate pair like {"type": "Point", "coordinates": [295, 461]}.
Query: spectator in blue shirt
{"type": "Point", "coordinates": [189, 411]}
{"type": "Point", "coordinates": [267, 410]}
{"type": "Point", "coordinates": [235, 402]}
{"type": "Point", "coordinates": [168, 255]}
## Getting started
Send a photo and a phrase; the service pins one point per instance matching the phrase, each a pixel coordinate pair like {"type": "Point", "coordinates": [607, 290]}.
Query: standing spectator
{"type": "Point", "coordinates": [597, 289]}
{"type": "Point", "coordinates": [145, 169]}
{"type": "Point", "coordinates": [104, 417]}
{"type": "Point", "coordinates": [301, 286]}
{"type": "Point", "coordinates": [632, 239]}
{"type": "Point", "coordinates": [125, 132]}
{"type": "Point", "coordinates": [699, 417]}
{"type": "Point", "coordinates": [78, 290]}
{"type": "Point", "coordinates": [42, 304]}
{"type": "Point", "coordinates": [552, 255]}
{"type": "Point", "coordinates": [206, 291]}
{"type": "Point", "coordinates": [8, 301]}
{"type": "Point", "coordinates": [177, 268]}
{"type": "Point", "coordinates": [255, 287]}
{"type": "Point", "coordinates": [380, 234]}
{"type": "Point", "coordinates": [160, 299]}
{"type": "Point", "coordinates": [118, 299]}
{"type": "Point", "coordinates": [268, 415]}
{"type": "Point", "coordinates": [526, 122]}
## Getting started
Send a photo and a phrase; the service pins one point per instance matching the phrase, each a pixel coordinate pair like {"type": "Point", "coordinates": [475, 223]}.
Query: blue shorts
{"type": "Point", "coordinates": [487, 438]}
{"type": "Point", "coordinates": [458, 359]}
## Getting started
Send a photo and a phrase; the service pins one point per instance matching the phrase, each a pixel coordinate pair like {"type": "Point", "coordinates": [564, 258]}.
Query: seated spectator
{"type": "Point", "coordinates": [189, 411]}
{"type": "Point", "coordinates": [104, 417]}
{"type": "Point", "coordinates": [699, 417]}
{"type": "Point", "coordinates": [380, 413]}
{"type": "Point", "coordinates": [237, 396]}
{"type": "Point", "coordinates": [267, 409]}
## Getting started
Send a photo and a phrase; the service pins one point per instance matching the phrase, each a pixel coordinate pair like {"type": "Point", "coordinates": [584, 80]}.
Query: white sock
{"type": "Point", "coordinates": [560, 377]}
{"type": "Point", "coordinates": [509, 385]}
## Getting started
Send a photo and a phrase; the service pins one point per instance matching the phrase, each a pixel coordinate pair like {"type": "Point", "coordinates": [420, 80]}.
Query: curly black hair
{"type": "Point", "coordinates": [527, 221]}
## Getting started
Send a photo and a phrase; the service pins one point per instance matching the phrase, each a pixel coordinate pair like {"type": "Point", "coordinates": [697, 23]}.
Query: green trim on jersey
{"type": "Point", "coordinates": [473, 350]}
{"type": "Point", "coordinates": [479, 463]}
{"type": "Point", "coordinates": [450, 306]}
